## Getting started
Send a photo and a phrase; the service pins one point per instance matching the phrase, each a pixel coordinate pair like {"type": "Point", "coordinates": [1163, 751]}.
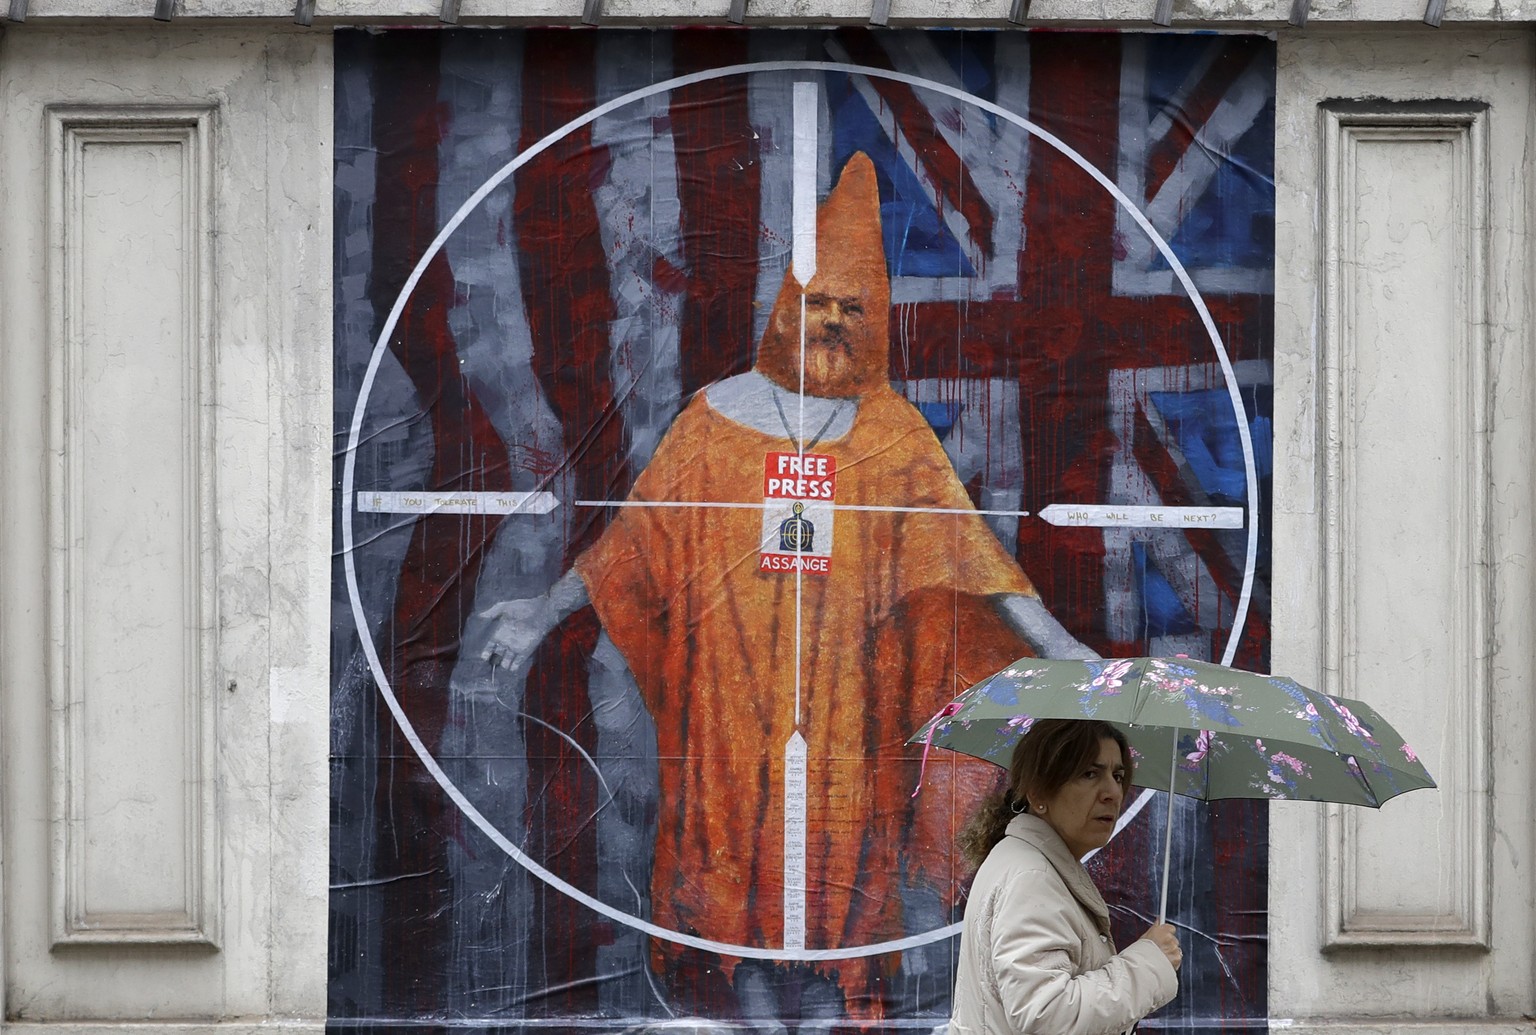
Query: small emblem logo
{"type": "Point", "coordinates": [796, 534]}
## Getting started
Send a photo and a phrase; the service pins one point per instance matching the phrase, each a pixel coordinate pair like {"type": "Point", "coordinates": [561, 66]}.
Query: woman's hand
{"type": "Point", "coordinates": [1163, 936]}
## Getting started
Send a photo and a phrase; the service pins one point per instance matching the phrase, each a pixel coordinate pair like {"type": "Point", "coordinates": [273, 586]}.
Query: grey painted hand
{"type": "Point", "coordinates": [521, 626]}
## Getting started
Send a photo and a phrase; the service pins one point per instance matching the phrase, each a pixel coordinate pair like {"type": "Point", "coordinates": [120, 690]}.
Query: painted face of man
{"type": "Point", "coordinates": [834, 321]}
{"type": "Point", "coordinates": [842, 354]}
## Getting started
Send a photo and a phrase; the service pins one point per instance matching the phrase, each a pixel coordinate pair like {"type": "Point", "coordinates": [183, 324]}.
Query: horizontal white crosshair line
{"type": "Point", "coordinates": [688, 504]}
{"type": "Point", "coordinates": [1063, 515]}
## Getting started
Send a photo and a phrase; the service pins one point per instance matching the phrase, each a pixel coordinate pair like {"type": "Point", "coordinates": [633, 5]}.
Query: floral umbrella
{"type": "Point", "coordinates": [1195, 728]}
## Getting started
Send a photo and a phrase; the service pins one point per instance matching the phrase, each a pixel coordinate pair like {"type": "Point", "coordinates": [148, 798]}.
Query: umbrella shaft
{"type": "Point", "coordinates": [1173, 770]}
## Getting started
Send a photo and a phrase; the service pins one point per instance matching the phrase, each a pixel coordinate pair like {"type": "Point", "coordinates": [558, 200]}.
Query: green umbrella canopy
{"type": "Point", "coordinates": [1221, 732]}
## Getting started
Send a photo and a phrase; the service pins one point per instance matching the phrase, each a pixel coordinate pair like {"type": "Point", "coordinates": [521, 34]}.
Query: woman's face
{"type": "Point", "coordinates": [1084, 811]}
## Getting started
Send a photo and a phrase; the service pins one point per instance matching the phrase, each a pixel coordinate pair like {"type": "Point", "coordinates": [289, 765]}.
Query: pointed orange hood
{"type": "Point", "coordinates": [845, 354]}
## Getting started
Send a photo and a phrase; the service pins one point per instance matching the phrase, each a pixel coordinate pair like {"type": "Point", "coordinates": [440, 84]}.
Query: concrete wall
{"type": "Point", "coordinates": [166, 562]}
{"type": "Point", "coordinates": [165, 263]}
{"type": "Point", "coordinates": [1402, 518]}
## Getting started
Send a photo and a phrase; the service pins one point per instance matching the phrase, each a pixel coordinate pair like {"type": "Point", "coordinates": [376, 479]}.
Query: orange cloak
{"type": "Point", "coordinates": [898, 627]}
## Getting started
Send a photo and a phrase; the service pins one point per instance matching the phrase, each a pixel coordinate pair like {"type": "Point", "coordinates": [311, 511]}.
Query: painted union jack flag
{"type": "Point", "coordinates": [542, 255]}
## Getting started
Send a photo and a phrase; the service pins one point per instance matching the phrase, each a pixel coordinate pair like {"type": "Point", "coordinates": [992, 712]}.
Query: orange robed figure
{"type": "Point", "coordinates": [898, 611]}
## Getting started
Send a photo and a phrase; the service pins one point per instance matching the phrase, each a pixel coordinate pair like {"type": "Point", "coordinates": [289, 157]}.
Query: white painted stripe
{"type": "Point", "coordinates": [1109, 515]}
{"type": "Point", "coordinates": [800, 455]}
{"type": "Point", "coordinates": [1012, 159]}
{"type": "Point", "coordinates": [702, 504]}
{"type": "Point", "coordinates": [803, 250]}
{"type": "Point", "coordinates": [544, 502]}
{"type": "Point", "coordinates": [639, 221]}
{"type": "Point", "coordinates": [771, 114]}
{"type": "Point", "coordinates": [796, 822]}
{"type": "Point", "coordinates": [456, 502]}
{"type": "Point", "coordinates": [1206, 154]}
{"type": "Point", "coordinates": [1173, 107]}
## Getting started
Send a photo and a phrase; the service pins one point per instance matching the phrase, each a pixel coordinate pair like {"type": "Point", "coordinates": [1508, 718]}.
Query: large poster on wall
{"type": "Point", "coordinates": [711, 408]}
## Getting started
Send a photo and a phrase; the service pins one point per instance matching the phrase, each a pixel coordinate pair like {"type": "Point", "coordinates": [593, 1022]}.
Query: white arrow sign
{"type": "Point", "coordinates": [1110, 515]}
{"type": "Point", "coordinates": [456, 502]}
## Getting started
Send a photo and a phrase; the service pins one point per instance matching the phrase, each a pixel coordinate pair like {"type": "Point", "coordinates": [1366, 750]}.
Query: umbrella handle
{"type": "Point", "coordinates": [1173, 768]}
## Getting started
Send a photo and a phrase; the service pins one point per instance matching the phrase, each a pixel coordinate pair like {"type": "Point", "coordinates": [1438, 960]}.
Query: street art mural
{"type": "Point", "coordinates": [711, 408]}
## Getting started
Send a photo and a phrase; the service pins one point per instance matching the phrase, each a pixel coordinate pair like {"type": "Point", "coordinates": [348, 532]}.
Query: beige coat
{"type": "Point", "coordinates": [1036, 954]}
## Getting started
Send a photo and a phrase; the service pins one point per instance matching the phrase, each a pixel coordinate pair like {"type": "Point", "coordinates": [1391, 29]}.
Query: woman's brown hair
{"type": "Point", "coordinates": [1044, 759]}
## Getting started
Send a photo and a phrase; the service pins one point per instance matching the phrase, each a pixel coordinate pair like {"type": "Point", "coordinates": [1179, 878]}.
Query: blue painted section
{"type": "Point", "coordinates": [1162, 614]}
{"type": "Point", "coordinates": [1205, 430]}
{"type": "Point", "coordinates": [1232, 223]}
{"type": "Point", "coordinates": [941, 416]}
{"type": "Point", "coordinates": [917, 243]}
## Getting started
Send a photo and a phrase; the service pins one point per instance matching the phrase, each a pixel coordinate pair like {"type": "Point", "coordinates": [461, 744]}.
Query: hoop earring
{"type": "Point", "coordinates": [1018, 807]}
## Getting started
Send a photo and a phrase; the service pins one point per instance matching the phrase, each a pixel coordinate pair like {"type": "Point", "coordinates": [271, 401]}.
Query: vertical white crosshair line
{"type": "Point", "coordinates": [803, 262]}
{"type": "Point", "coordinates": [800, 455]}
{"type": "Point", "coordinates": [803, 201]}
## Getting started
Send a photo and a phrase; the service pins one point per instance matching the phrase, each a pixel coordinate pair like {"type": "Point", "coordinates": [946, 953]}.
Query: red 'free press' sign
{"type": "Point", "coordinates": [794, 476]}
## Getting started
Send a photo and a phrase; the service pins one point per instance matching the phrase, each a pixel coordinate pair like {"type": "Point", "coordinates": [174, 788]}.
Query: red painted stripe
{"type": "Point", "coordinates": [1037, 334]}
{"type": "Point", "coordinates": [565, 277]}
{"type": "Point", "coordinates": [1064, 283]}
{"type": "Point", "coordinates": [938, 164]}
{"type": "Point", "coordinates": [567, 296]}
{"type": "Point", "coordinates": [718, 178]}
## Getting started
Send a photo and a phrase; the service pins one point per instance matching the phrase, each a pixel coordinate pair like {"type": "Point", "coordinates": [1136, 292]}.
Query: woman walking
{"type": "Point", "coordinates": [1036, 953]}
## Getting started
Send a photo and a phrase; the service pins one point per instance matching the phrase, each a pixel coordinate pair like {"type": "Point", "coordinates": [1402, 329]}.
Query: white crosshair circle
{"type": "Point", "coordinates": [348, 501]}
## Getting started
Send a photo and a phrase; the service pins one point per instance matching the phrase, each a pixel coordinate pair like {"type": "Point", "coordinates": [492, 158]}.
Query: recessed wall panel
{"type": "Point", "coordinates": [131, 609]}
{"type": "Point", "coordinates": [1406, 486]}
